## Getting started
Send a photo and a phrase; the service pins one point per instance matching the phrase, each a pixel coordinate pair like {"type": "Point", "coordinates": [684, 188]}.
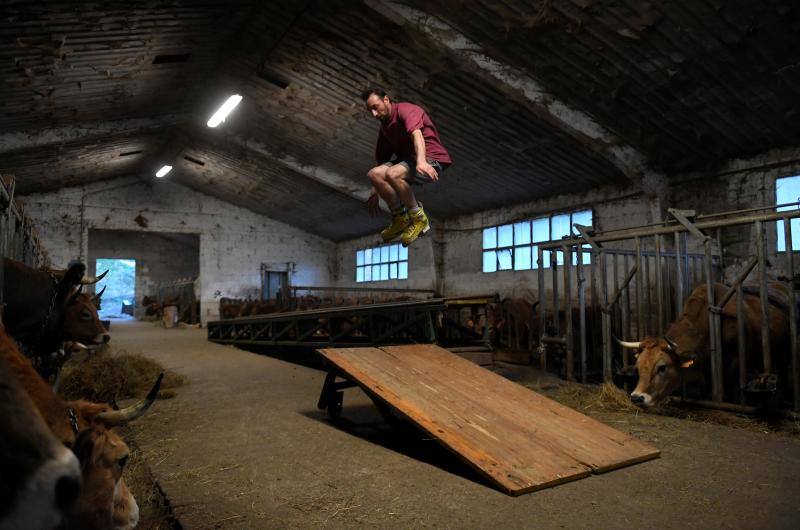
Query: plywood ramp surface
{"type": "Point", "coordinates": [516, 437]}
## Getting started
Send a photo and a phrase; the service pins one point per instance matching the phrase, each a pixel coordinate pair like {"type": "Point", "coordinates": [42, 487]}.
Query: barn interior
{"type": "Point", "coordinates": [668, 131]}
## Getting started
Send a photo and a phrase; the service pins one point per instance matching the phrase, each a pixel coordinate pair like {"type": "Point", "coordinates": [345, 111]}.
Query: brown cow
{"type": "Point", "coordinates": [68, 418]}
{"type": "Point", "coordinates": [40, 477]}
{"type": "Point", "coordinates": [683, 353]}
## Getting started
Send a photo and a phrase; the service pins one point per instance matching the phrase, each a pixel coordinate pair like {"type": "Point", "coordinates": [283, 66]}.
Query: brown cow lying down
{"type": "Point", "coordinates": [683, 353]}
{"type": "Point", "coordinates": [104, 501]}
{"type": "Point", "coordinates": [39, 478]}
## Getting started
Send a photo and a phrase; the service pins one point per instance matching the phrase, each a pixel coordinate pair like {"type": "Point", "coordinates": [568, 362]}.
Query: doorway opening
{"type": "Point", "coordinates": [120, 287]}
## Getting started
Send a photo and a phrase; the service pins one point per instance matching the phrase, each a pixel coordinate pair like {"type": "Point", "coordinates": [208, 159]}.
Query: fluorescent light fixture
{"type": "Point", "coordinates": [163, 171]}
{"type": "Point", "coordinates": [224, 110]}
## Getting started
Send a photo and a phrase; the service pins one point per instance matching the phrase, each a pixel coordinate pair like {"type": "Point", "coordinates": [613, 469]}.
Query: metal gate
{"type": "Point", "coordinates": [636, 285]}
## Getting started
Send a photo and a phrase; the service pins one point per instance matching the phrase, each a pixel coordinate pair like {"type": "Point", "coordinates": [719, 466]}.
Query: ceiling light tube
{"type": "Point", "coordinates": [224, 110]}
{"type": "Point", "coordinates": [163, 171]}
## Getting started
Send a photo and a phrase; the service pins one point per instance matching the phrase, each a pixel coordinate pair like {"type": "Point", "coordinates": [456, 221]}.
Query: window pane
{"type": "Point", "coordinates": [583, 217]}
{"type": "Point", "coordinates": [360, 274]}
{"type": "Point", "coordinates": [795, 236]}
{"type": "Point", "coordinates": [393, 252]}
{"type": "Point", "coordinates": [393, 271]}
{"type": "Point", "coordinates": [367, 274]}
{"type": "Point", "coordinates": [504, 259]}
{"type": "Point", "coordinates": [546, 259]}
{"type": "Point", "coordinates": [402, 270]}
{"type": "Point", "coordinates": [505, 235]}
{"type": "Point", "coordinates": [384, 271]}
{"type": "Point", "coordinates": [490, 261]}
{"type": "Point", "coordinates": [522, 233]}
{"type": "Point", "coordinates": [560, 224]}
{"type": "Point", "coordinates": [384, 254]}
{"type": "Point", "coordinates": [360, 257]}
{"type": "Point", "coordinates": [541, 229]}
{"type": "Point", "coordinates": [522, 258]}
{"type": "Point", "coordinates": [403, 252]}
{"type": "Point", "coordinates": [376, 273]}
{"type": "Point", "coordinates": [587, 255]}
{"type": "Point", "coordinates": [490, 237]}
{"type": "Point", "coordinates": [787, 190]}
{"type": "Point", "coordinates": [368, 256]}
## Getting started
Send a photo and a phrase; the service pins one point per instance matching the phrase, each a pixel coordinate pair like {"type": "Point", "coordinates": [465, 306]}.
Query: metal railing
{"type": "Point", "coordinates": [638, 291]}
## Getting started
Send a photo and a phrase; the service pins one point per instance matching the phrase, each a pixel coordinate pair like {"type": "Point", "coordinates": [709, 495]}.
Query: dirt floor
{"type": "Point", "coordinates": [244, 446]}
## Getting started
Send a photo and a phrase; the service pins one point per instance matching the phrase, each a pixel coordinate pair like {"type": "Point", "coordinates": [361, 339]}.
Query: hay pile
{"type": "Point", "coordinates": [105, 376]}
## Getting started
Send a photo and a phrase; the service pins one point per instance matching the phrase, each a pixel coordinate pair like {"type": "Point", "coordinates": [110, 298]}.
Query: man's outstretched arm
{"type": "Point", "coordinates": [423, 167]}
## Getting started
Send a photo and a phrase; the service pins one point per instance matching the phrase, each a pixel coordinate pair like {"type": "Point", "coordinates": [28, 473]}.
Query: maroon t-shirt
{"type": "Point", "coordinates": [394, 136]}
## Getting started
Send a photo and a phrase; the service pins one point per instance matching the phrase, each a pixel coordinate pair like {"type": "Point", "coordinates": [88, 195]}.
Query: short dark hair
{"type": "Point", "coordinates": [373, 89]}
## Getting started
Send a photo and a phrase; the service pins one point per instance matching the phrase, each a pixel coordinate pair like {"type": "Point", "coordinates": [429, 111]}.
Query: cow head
{"type": "Point", "coordinates": [105, 501]}
{"type": "Point", "coordinates": [40, 477]}
{"type": "Point", "coordinates": [659, 365]}
{"type": "Point", "coordinates": [81, 322]}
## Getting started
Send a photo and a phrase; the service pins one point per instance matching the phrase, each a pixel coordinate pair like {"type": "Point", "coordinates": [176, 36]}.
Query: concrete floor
{"type": "Point", "coordinates": [243, 446]}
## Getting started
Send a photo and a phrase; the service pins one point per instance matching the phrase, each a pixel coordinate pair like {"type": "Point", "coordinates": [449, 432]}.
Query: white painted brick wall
{"type": "Point", "coordinates": [233, 241]}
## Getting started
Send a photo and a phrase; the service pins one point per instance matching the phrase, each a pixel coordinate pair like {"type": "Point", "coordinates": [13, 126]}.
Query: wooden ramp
{"type": "Point", "coordinates": [519, 439]}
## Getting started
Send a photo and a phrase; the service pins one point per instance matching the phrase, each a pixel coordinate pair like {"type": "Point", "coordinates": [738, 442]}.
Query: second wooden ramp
{"type": "Point", "coordinates": [516, 437]}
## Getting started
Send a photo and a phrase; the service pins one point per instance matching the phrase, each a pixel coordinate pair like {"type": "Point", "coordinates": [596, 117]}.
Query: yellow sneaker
{"type": "Point", "coordinates": [419, 225]}
{"type": "Point", "coordinates": [399, 224]}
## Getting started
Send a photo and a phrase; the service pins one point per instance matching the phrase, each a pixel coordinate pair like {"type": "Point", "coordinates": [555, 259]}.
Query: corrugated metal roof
{"type": "Point", "coordinates": [687, 83]}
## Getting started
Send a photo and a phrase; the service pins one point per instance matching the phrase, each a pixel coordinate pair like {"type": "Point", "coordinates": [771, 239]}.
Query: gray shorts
{"type": "Point", "coordinates": [411, 165]}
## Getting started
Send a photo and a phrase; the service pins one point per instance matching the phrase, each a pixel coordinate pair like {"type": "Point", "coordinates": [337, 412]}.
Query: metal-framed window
{"type": "Point", "coordinates": [514, 246]}
{"type": "Point", "coordinates": [787, 189]}
{"type": "Point", "coordinates": [386, 262]}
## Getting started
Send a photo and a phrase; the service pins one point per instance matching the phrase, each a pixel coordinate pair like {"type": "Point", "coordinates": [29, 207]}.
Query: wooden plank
{"type": "Point", "coordinates": [517, 438]}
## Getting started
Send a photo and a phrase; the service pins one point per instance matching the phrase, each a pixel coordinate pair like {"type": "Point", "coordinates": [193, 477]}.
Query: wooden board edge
{"type": "Point", "coordinates": [631, 461]}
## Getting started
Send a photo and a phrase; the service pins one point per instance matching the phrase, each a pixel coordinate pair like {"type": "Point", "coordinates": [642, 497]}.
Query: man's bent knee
{"type": "Point", "coordinates": [377, 174]}
{"type": "Point", "coordinates": [397, 172]}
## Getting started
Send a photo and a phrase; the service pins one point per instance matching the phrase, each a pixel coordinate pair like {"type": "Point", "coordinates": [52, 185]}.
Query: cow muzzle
{"type": "Point", "coordinates": [641, 400]}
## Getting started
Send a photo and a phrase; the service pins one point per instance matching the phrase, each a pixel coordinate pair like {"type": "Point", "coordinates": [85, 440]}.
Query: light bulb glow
{"type": "Point", "coordinates": [163, 171]}
{"type": "Point", "coordinates": [224, 110]}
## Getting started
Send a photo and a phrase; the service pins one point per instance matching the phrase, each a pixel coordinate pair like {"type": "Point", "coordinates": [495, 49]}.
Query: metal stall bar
{"type": "Point", "coordinates": [582, 311]}
{"type": "Point", "coordinates": [787, 237]}
{"type": "Point", "coordinates": [762, 283]}
{"type": "Point", "coordinates": [741, 339]}
{"type": "Point", "coordinates": [659, 289]}
{"type": "Point", "coordinates": [570, 354]}
{"type": "Point", "coordinates": [639, 287]}
{"type": "Point", "coordinates": [542, 313]}
{"type": "Point", "coordinates": [714, 318]}
{"type": "Point", "coordinates": [678, 276]}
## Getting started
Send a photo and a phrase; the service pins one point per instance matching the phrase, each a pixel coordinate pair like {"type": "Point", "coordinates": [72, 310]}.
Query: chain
{"type": "Point", "coordinates": [46, 320]}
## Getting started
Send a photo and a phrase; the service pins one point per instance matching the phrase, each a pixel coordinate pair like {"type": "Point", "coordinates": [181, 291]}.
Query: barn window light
{"type": "Point", "coordinates": [163, 171]}
{"type": "Point", "coordinates": [224, 110]}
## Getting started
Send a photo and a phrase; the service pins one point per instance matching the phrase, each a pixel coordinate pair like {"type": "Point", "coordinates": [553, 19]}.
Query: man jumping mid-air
{"type": "Point", "coordinates": [408, 152]}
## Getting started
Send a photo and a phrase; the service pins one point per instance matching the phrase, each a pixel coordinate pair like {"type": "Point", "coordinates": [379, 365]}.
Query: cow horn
{"type": "Point", "coordinates": [671, 343]}
{"type": "Point", "coordinates": [80, 345]}
{"type": "Point", "coordinates": [89, 280]}
{"type": "Point", "coordinates": [626, 344]}
{"type": "Point", "coordinates": [98, 295]}
{"type": "Point", "coordinates": [122, 416]}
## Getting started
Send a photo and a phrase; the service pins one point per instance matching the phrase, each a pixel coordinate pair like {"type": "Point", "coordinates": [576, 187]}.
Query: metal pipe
{"type": "Point", "coordinates": [556, 304]}
{"type": "Point", "coordinates": [789, 247]}
{"type": "Point", "coordinates": [639, 313]}
{"type": "Point", "coordinates": [570, 353]}
{"type": "Point", "coordinates": [659, 290]}
{"type": "Point", "coordinates": [607, 374]}
{"type": "Point", "coordinates": [648, 298]}
{"type": "Point", "coordinates": [596, 332]}
{"type": "Point", "coordinates": [626, 291]}
{"type": "Point", "coordinates": [678, 276]}
{"type": "Point", "coordinates": [762, 283]}
{"type": "Point", "coordinates": [619, 316]}
{"type": "Point", "coordinates": [628, 233]}
{"type": "Point", "coordinates": [741, 341]}
{"type": "Point", "coordinates": [542, 303]}
{"type": "Point", "coordinates": [582, 312]}
{"type": "Point", "coordinates": [714, 324]}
